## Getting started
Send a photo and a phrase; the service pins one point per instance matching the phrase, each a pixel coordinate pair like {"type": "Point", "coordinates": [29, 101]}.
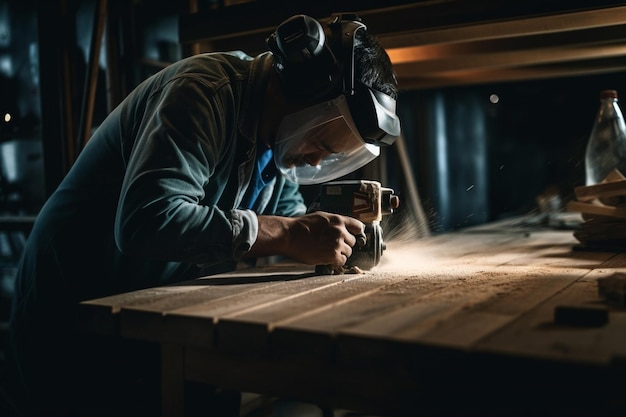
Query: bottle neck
{"type": "Point", "coordinates": [609, 106]}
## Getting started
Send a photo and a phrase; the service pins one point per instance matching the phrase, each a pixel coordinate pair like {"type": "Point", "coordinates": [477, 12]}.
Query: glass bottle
{"type": "Point", "coordinates": [606, 148]}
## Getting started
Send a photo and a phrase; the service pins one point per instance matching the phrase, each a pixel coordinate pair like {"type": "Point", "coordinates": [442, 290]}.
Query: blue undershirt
{"type": "Point", "coordinates": [264, 172]}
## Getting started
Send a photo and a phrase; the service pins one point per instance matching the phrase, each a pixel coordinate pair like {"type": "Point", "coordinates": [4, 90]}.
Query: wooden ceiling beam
{"type": "Point", "coordinates": [441, 40]}
{"type": "Point", "coordinates": [521, 73]}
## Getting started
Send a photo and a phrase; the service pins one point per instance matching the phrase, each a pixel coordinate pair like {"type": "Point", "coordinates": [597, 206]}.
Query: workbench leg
{"type": "Point", "coordinates": [172, 381]}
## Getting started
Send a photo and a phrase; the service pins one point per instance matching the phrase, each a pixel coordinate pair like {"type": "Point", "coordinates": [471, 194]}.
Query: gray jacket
{"type": "Point", "coordinates": [154, 196]}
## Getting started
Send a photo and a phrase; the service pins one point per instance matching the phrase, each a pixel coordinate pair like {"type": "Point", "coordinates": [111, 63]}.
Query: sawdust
{"type": "Point", "coordinates": [407, 256]}
{"type": "Point", "coordinates": [404, 227]}
{"type": "Point", "coordinates": [330, 270]}
{"type": "Point", "coordinates": [403, 233]}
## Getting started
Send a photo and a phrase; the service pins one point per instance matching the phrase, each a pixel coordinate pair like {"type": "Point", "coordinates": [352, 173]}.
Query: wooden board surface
{"type": "Point", "coordinates": [454, 290]}
{"type": "Point", "coordinates": [487, 292]}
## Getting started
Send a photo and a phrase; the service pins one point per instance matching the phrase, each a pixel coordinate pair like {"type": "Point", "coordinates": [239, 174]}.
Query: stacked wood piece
{"type": "Point", "coordinates": [603, 207]}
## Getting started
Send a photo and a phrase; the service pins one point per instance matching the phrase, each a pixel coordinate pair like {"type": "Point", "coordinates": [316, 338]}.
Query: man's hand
{"type": "Point", "coordinates": [318, 238]}
{"type": "Point", "coordinates": [323, 238]}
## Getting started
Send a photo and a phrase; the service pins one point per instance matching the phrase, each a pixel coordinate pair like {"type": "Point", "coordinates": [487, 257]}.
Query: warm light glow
{"type": "Point", "coordinates": [402, 55]}
{"type": "Point", "coordinates": [416, 53]}
{"type": "Point", "coordinates": [7, 117]}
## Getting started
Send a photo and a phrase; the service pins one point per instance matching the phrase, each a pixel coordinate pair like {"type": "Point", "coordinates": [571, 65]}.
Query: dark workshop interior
{"type": "Point", "coordinates": [496, 103]}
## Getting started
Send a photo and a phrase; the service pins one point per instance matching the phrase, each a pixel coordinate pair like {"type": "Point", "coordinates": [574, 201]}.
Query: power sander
{"type": "Point", "coordinates": [367, 201]}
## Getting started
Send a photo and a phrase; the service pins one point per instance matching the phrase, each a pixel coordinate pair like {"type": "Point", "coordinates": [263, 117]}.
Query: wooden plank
{"type": "Point", "coordinates": [191, 314]}
{"type": "Point", "coordinates": [190, 318]}
{"type": "Point", "coordinates": [536, 334]}
{"type": "Point", "coordinates": [602, 190]}
{"type": "Point", "coordinates": [597, 208]}
{"type": "Point", "coordinates": [537, 247]}
{"type": "Point", "coordinates": [410, 21]}
{"type": "Point", "coordinates": [246, 329]}
{"type": "Point", "coordinates": [313, 335]}
{"type": "Point", "coordinates": [207, 292]}
{"type": "Point", "coordinates": [465, 328]}
{"type": "Point", "coordinates": [468, 327]}
{"type": "Point", "coordinates": [443, 279]}
{"type": "Point", "coordinates": [250, 330]}
{"type": "Point", "coordinates": [101, 314]}
{"type": "Point", "coordinates": [475, 286]}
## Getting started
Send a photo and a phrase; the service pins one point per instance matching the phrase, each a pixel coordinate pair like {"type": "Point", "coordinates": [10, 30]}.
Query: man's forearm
{"type": "Point", "coordinates": [273, 237]}
{"type": "Point", "coordinates": [316, 238]}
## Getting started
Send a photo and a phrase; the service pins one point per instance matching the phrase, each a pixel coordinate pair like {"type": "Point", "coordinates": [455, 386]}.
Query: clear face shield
{"type": "Point", "coordinates": [321, 143]}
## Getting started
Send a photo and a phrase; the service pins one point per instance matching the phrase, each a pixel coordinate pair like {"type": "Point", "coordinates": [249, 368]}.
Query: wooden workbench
{"type": "Point", "coordinates": [456, 324]}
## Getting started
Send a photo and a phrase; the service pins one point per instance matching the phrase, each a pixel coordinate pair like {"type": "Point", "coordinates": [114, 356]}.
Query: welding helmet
{"type": "Point", "coordinates": [344, 130]}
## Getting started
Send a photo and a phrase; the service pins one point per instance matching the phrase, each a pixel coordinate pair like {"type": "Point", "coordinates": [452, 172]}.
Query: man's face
{"type": "Point", "coordinates": [333, 137]}
{"type": "Point", "coordinates": [320, 143]}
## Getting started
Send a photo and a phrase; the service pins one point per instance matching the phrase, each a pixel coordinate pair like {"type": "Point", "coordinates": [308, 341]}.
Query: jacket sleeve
{"type": "Point", "coordinates": [186, 131]}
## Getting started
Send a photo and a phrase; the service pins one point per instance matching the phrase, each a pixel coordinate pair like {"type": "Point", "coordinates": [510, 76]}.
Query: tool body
{"type": "Point", "coordinates": [367, 201]}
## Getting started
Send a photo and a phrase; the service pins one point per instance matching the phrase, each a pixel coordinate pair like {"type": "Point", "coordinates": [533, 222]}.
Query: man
{"type": "Point", "coordinates": [196, 170]}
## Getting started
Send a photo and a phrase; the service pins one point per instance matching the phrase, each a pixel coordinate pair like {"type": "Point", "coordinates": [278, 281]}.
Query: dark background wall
{"type": "Point", "coordinates": [476, 160]}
